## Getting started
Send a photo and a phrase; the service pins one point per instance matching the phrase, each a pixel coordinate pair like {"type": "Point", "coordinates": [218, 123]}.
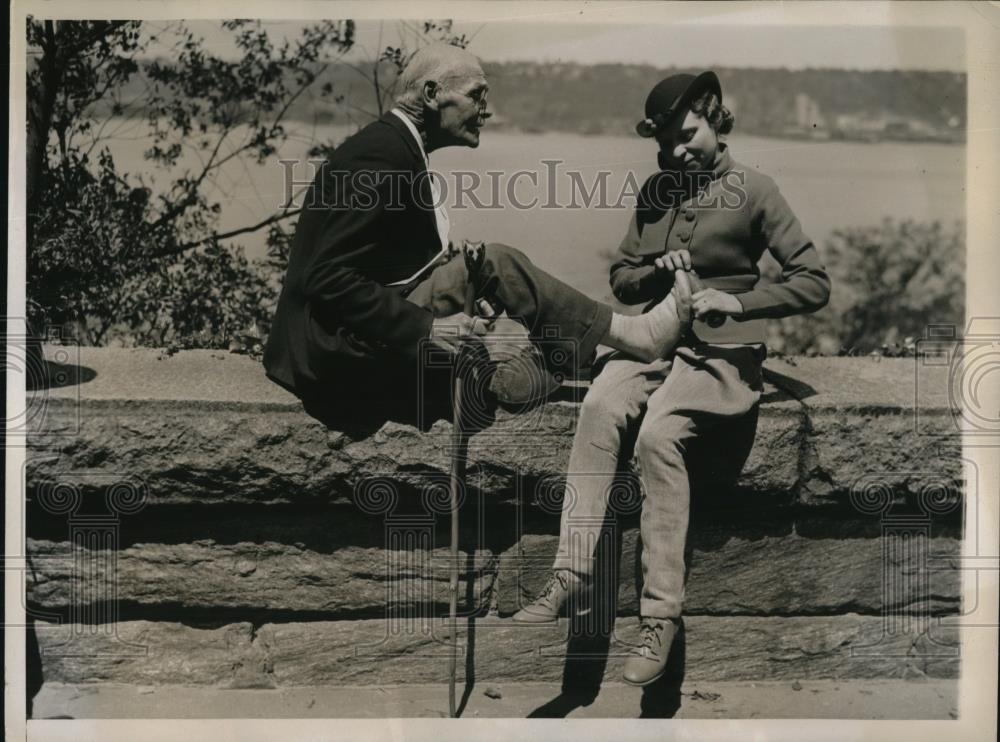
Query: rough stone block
{"type": "Point", "coordinates": [259, 577]}
{"type": "Point", "coordinates": [741, 571]}
{"type": "Point", "coordinates": [377, 652]}
{"type": "Point", "coordinates": [203, 427]}
{"type": "Point", "coordinates": [716, 648]}
{"type": "Point", "coordinates": [152, 653]}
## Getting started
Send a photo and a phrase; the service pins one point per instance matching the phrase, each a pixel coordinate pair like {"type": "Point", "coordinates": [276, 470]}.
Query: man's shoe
{"type": "Point", "coordinates": [522, 382]}
{"type": "Point", "coordinates": [563, 587]}
{"type": "Point", "coordinates": [649, 662]}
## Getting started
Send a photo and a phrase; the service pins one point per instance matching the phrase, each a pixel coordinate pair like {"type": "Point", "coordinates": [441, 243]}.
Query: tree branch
{"type": "Point", "coordinates": [99, 30]}
{"type": "Point", "coordinates": [50, 76]}
{"type": "Point", "coordinates": [378, 90]}
{"type": "Point", "coordinates": [357, 69]}
{"type": "Point", "coordinates": [190, 196]}
{"type": "Point", "coordinates": [273, 219]}
{"type": "Point", "coordinates": [292, 98]}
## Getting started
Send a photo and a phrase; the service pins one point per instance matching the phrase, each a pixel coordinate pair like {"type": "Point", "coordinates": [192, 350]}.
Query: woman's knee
{"type": "Point", "coordinates": [660, 446]}
{"type": "Point", "coordinates": [604, 404]}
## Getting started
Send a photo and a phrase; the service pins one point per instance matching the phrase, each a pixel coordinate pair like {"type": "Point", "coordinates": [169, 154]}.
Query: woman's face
{"type": "Point", "coordinates": [690, 146]}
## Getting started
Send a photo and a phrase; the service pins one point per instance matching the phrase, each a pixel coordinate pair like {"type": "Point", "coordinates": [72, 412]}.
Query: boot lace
{"type": "Point", "coordinates": [558, 581]}
{"type": "Point", "coordinates": [650, 636]}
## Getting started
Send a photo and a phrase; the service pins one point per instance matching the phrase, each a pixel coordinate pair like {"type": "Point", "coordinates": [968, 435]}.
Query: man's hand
{"type": "Point", "coordinates": [446, 331]}
{"type": "Point", "coordinates": [675, 260]}
{"type": "Point", "coordinates": [709, 301]}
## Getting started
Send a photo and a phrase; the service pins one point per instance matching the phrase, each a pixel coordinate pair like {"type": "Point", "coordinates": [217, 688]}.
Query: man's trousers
{"type": "Point", "coordinates": [564, 323]}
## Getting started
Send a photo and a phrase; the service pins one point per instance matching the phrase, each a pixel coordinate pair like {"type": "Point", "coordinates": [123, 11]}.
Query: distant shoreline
{"type": "Point", "coordinates": [784, 135]}
{"type": "Point", "coordinates": [625, 131]}
{"type": "Point", "coordinates": [606, 100]}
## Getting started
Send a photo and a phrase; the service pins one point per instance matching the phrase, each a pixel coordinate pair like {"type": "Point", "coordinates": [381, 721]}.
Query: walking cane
{"type": "Point", "coordinates": [474, 256]}
{"type": "Point", "coordinates": [458, 453]}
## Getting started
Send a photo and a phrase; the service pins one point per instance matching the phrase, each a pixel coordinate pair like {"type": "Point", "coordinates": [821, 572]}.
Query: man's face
{"type": "Point", "coordinates": [692, 145]}
{"type": "Point", "coordinates": [462, 110]}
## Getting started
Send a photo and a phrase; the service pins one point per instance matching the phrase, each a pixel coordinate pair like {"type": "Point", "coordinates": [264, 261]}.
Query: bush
{"type": "Point", "coordinates": [110, 257]}
{"type": "Point", "coordinates": [93, 271]}
{"type": "Point", "coordinates": [889, 283]}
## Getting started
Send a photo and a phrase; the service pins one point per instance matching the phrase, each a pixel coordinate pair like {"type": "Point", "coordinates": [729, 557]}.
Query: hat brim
{"type": "Point", "coordinates": [705, 81]}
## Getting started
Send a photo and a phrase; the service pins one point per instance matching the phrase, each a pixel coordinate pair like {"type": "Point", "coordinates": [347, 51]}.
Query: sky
{"type": "Point", "coordinates": [663, 44]}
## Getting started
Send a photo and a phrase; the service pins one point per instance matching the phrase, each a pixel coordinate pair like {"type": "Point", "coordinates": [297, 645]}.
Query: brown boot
{"type": "Point", "coordinates": [649, 661]}
{"type": "Point", "coordinates": [522, 382]}
{"type": "Point", "coordinates": [564, 586]}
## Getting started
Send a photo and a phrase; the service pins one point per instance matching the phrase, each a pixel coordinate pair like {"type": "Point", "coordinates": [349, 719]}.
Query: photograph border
{"type": "Point", "coordinates": [978, 678]}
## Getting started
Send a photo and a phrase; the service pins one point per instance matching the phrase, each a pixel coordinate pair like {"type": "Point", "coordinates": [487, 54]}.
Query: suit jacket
{"type": "Point", "coordinates": [726, 226]}
{"type": "Point", "coordinates": [367, 221]}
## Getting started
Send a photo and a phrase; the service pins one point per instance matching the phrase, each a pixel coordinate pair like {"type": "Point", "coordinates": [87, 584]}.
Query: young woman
{"type": "Point", "coordinates": [707, 217]}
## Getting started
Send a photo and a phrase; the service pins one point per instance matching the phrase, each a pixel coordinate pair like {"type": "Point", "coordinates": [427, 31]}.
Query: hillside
{"type": "Point", "coordinates": [608, 99]}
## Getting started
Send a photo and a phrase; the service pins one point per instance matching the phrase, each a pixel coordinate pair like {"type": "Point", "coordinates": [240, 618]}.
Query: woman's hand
{"type": "Point", "coordinates": [707, 301]}
{"type": "Point", "coordinates": [675, 260]}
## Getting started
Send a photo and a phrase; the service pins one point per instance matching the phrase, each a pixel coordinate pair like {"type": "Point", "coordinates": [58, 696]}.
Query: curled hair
{"type": "Point", "coordinates": [718, 116]}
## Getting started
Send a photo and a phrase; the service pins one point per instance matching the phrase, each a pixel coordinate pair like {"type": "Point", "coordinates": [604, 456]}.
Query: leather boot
{"type": "Point", "coordinates": [521, 383]}
{"type": "Point", "coordinates": [564, 587]}
{"type": "Point", "coordinates": [649, 661]}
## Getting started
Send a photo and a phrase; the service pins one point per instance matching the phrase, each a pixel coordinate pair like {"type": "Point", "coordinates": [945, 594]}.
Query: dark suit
{"type": "Point", "coordinates": [366, 222]}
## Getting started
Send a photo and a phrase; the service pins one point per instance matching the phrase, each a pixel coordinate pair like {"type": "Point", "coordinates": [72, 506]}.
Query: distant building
{"type": "Point", "coordinates": [858, 126]}
{"type": "Point", "coordinates": [886, 127]}
{"type": "Point", "coordinates": [807, 113]}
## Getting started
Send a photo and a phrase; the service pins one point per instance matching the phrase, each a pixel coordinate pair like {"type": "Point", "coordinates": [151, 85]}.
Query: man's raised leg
{"type": "Point", "coordinates": [572, 324]}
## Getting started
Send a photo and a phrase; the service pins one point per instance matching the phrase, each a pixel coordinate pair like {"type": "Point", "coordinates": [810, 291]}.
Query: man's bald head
{"type": "Point", "coordinates": [442, 64]}
{"type": "Point", "coordinates": [443, 92]}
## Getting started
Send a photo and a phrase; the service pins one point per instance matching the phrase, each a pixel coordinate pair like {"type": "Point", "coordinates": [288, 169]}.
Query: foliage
{"type": "Point", "coordinates": [890, 282]}
{"type": "Point", "coordinates": [137, 258]}
{"type": "Point", "coordinates": [109, 253]}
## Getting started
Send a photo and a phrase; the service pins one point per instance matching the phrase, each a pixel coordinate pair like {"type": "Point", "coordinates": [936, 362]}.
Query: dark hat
{"type": "Point", "coordinates": [672, 96]}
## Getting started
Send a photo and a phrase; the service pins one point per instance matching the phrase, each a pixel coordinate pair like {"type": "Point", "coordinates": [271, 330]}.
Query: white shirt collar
{"type": "Point", "coordinates": [413, 130]}
{"type": "Point", "coordinates": [440, 214]}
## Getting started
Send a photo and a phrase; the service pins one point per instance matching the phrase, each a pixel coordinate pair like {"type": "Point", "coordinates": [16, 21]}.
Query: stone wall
{"type": "Point", "coordinates": [188, 523]}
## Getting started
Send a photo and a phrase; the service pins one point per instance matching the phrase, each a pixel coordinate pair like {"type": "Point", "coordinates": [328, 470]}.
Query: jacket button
{"type": "Point", "coordinates": [684, 236]}
{"type": "Point", "coordinates": [689, 214]}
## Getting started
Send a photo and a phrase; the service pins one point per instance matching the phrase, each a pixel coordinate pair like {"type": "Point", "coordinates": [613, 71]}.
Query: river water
{"type": "Point", "coordinates": [830, 185]}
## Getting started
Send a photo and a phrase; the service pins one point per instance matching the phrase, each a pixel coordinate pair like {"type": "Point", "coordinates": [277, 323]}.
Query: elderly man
{"type": "Point", "coordinates": [370, 286]}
